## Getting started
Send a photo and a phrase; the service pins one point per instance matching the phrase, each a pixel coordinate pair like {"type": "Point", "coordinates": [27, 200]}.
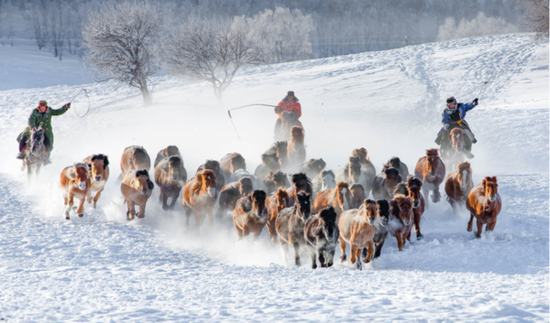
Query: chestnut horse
{"type": "Point", "coordinates": [35, 153]}
{"type": "Point", "coordinates": [296, 149]}
{"type": "Point", "coordinates": [384, 183]}
{"type": "Point", "coordinates": [430, 169]}
{"type": "Point", "coordinates": [323, 181]}
{"type": "Point", "coordinates": [75, 182]}
{"type": "Point", "coordinates": [230, 163]}
{"type": "Point", "coordinates": [357, 227]}
{"type": "Point", "coordinates": [484, 204]}
{"type": "Point", "coordinates": [250, 214]}
{"type": "Point", "coordinates": [170, 176]}
{"type": "Point", "coordinates": [214, 166]}
{"type": "Point", "coordinates": [275, 180]}
{"type": "Point", "coordinates": [321, 233]}
{"type": "Point", "coordinates": [412, 188]}
{"type": "Point", "coordinates": [199, 196]}
{"type": "Point", "coordinates": [456, 151]}
{"type": "Point", "coordinates": [459, 184]}
{"type": "Point", "coordinates": [289, 119]}
{"type": "Point", "coordinates": [275, 203]}
{"type": "Point", "coordinates": [401, 219]}
{"type": "Point", "coordinates": [313, 167]}
{"type": "Point", "coordinates": [338, 197]}
{"type": "Point", "coordinates": [99, 167]}
{"type": "Point", "coordinates": [367, 169]}
{"type": "Point", "coordinates": [133, 158]}
{"type": "Point", "coordinates": [231, 193]}
{"type": "Point", "coordinates": [167, 152]}
{"type": "Point", "coordinates": [290, 224]}
{"type": "Point", "coordinates": [136, 188]}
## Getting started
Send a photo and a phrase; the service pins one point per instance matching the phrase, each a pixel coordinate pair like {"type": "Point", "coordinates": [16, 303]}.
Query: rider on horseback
{"type": "Point", "coordinates": [41, 117]}
{"type": "Point", "coordinates": [289, 103]}
{"type": "Point", "coordinates": [453, 117]}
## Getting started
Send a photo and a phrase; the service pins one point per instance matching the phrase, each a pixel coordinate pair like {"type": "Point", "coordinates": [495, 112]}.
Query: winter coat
{"type": "Point", "coordinates": [38, 119]}
{"type": "Point", "coordinates": [293, 106]}
{"type": "Point", "coordinates": [462, 109]}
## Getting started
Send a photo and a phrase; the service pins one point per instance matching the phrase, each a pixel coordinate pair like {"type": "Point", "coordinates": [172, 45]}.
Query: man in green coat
{"type": "Point", "coordinates": [41, 117]}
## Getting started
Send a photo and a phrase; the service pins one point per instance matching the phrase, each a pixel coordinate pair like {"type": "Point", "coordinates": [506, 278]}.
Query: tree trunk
{"type": "Point", "coordinates": [147, 100]}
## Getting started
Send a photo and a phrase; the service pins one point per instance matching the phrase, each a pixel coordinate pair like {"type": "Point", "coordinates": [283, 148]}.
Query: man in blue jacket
{"type": "Point", "coordinates": [453, 117]}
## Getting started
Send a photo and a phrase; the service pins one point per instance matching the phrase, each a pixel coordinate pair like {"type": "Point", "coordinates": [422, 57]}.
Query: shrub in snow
{"type": "Point", "coordinates": [481, 25]}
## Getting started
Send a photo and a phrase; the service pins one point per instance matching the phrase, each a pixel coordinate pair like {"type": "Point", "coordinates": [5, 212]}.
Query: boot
{"type": "Point", "coordinates": [439, 137]}
{"type": "Point", "coordinates": [21, 155]}
{"type": "Point", "coordinates": [22, 146]}
{"type": "Point", "coordinates": [470, 135]}
{"type": "Point", "coordinates": [469, 154]}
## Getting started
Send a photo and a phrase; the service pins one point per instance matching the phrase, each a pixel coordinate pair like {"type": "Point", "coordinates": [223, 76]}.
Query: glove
{"type": "Point", "coordinates": [475, 101]}
{"type": "Point", "coordinates": [278, 109]}
{"type": "Point", "coordinates": [67, 106]}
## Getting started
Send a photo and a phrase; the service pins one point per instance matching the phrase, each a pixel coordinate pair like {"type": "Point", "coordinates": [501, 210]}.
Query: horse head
{"type": "Point", "coordinates": [342, 194]}
{"type": "Point", "coordinates": [328, 218]}
{"type": "Point", "coordinates": [328, 180]}
{"type": "Point", "coordinates": [257, 203]}
{"type": "Point", "coordinates": [98, 166]}
{"type": "Point", "coordinates": [282, 151]}
{"type": "Point", "coordinates": [80, 174]}
{"type": "Point", "coordinates": [297, 135]}
{"type": "Point", "coordinates": [457, 139]}
{"type": "Point", "coordinates": [464, 175]}
{"type": "Point", "coordinates": [303, 205]}
{"type": "Point", "coordinates": [245, 186]}
{"type": "Point", "coordinates": [370, 210]}
{"type": "Point", "coordinates": [317, 165]}
{"type": "Point", "coordinates": [212, 165]}
{"type": "Point", "coordinates": [171, 151]}
{"type": "Point", "coordinates": [414, 184]}
{"type": "Point", "coordinates": [208, 182]}
{"type": "Point", "coordinates": [392, 178]}
{"type": "Point", "coordinates": [432, 156]}
{"type": "Point", "coordinates": [383, 210]}
{"type": "Point", "coordinates": [175, 165]}
{"type": "Point", "coordinates": [270, 161]}
{"type": "Point", "coordinates": [301, 183]}
{"type": "Point", "coordinates": [288, 120]}
{"type": "Point", "coordinates": [401, 207]}
{"type": "Point", "coordinates": [354, 169]}
{"type": "Point", "coordinates": [361, 153]}
{"type": "Point", "coordinates": [490, 187]}
{"type": "Point", "coordinates": [280, 180]}
{"type": "Point", "coordinates": [143, 182]}
{"type": "Point", "coordinates": [394, 162]}
{"type": "Point", "coordinates": [357, 195]}
{"type": "Point", "coordinates": [283, 199]}
{"type": "Point", "coordinates": [37, 139]}
{"type": "Point", "coordinates": [237, 162]}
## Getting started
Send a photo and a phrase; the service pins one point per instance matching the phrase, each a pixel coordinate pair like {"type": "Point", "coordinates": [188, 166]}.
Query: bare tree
{"type": "Point", "coordinates": [537, 16]}
{"type": "Point", "coordinates": [209, 51]}
{"type": "Point", "coordinates": [121, 40]}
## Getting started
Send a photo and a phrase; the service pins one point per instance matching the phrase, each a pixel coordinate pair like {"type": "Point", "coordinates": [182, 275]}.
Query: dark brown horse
{"type": "Point", "coordinates": [401, 219]}
{"type": "Point", "coordinates": [321, 233]}
{"type": "Point", "coordinates": [133, 158]}
{"type": "Point", "coordinates": [214, 166]}
{"type": "Point", "coordinates": [99, 168]}
{"type": "Point", "coordinates": [170, 176]}
{"type": "Point", "coordinates": [313, 167]}
{"type": "Point", "coordinates": [367, 169]}
{"type": "Point", "coordinates": [250, 214]}
{"type": "Point", "coordinates": [275, 180]}
{"type": "Point", "coordinates": [275, 203]}
{"type": "Point", "coordinates": [290, 224]}
{"type": "Point", "coordinates": [230, 163]}
{"type": "Point", "coordinates": [384, 184]}
{"type": "Point", "coordinates": [484, 204]}
{"type": "Point", "coordinates": [199, 196]}
{"type": "Point", "coordinates": [430, 169]}
{"type": "Point", "coordinates": [35, 156]}
{"type": "Point", "coordinates": [412, 188]}
{"type": "Point", "coordinates": [232, 192]}
{"type": "Point", "coordinates": [289, 119]}
{"type": "Point", "coordinates": [395, 162]}
{"type": "Point", "coordinates": [459, 184]}
{"type": "Point", "coordinates": [167, 152]}
{"type": "Point", "coordinates": [296, 148]}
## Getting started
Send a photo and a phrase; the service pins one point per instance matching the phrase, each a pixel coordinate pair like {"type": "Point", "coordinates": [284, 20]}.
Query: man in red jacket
{"type": "Point", "coordinates": [289, 103]}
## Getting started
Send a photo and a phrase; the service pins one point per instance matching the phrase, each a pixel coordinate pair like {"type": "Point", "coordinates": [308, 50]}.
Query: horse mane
{"type": "Point", "coordinates": [296, 135]}
{"type": "Point", "coordinates": [361, 153]}
{"type": "Point", "coordinates": [142, 172]}
{"type": "Point", "coordinates": [197, 184]}
{"type": "Point", "coordinates": [337, 190]}
{"type": "Point", "coordinates": [299, 177]}
{"type": "Point", "coordinates": [354, 186]}
{"type": "Point", "coordinates": [413, 180]}
{"type": "Point", "coordinates": [366, 204]}
{"type": "Point", "coordinates": [391, 171]}
{"type": "Point", "coordinates": [383, 208]}
{"type": "Point", "coordinates": [101, 157]}
{"type": "Point", "coordinates": [433, 152]}
{"type": "Point", "coordinates": [327, 172]}
{"type": "Point", "coordinates": [394, 162]}
{"type": "Point", "coordinates": [328, 214]}
{"type": "Point", "coordinates": [175, 160]}
{"type": "Point", "coordinates": [464, 166]}
{"type": "Point", "coordinates": [171, 151]}
{"type": "Point", "coordinates": [211, 164]}
{"type": "Point", "coordinates": [280, 196]}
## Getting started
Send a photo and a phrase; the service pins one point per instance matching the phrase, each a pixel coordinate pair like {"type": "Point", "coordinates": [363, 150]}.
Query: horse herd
{"type": "Point", "coordinates": [301, 203]}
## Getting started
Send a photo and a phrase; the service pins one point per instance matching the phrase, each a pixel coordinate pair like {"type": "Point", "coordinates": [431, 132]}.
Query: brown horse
{"type": "Point", "coordinates": [401, 219]}
{"type": "Point", "coordinates": [37, 154]}
{"type": "Point", "coordinates": [384, 183]}
{"type": "Point", "coordinates": [136, 188]}
{"type": "Point", "coordinates": [430, 169]}
{"type": "Point", "coordinates": [275, 180]}
{"type": "Point", "coordinates": [484, 204]}
{"type": "Point", "coordinates": [323, 181]}
{"type": "Point", "coordinates": [412, 188]}
{"type": "Point", "coordinates": [99, 166]}
{"type": "Point", "coordinates": [167, 152]}
{"type": "Point", "coordinates": [170, 176]}
{"type": "Point", "coordinates": [275, 203]}
{"type": "Point", "coordinates": [75, 182]}
{"type": "Point", "coordinates": [290, 224]}
{"type": "Point", "coordinates": [250, 214]}
{"type": "Point", "coordinates": [313, 167]}
{"type": "Point", "coordinates": [230, 163]}
{"type": "Point", "coordinates": [357, 227]}
{"type": "Point", "coordinates": [133, 158]}
{"type": "Point", "coordinates": [296, 148]}
{"type": "Point", "coordinates": [280, 149]}
{"type": "Point", "coordinates": [357, 196]}
{"type": "Point", "coordinates": [232, 192]}
{"type": "Point", "coordinates": [459, 184]}
{"type": "Point", "coordinates": [321, 233]}
{"type": "Point", "coordinates": [270, 163]}
{"type": "Point", "coordinates": [351, 174]}
{"type": "Point", "coordinates": [338, 197]}
{"type": "Point", "coordinates": [289, 119]}
{"type": "Point", "coordinates": [199, 196]}
{"type": "Point", "coordinates": [456, 152]}
{"type": "Point", "coordinates": [367, 169]}
{"type": "Point", "coordinates": [300, 183]}
{"type": "Point", "coordinates": [214, 166]}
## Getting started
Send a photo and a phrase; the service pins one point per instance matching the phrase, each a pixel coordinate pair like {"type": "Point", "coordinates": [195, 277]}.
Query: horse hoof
{"type": "Point", "coordinates": [329, 264]}
{"type": "Point", "coordinates": [419, 237]}
{"type": "Point", "coordinates": [314, 266]}
{"type": "Point", "coordinates": [80, 214]}
{"type": "Point", "coordinates": [67, 218]}
{"type": "Point", "coordinates": [343, 258]}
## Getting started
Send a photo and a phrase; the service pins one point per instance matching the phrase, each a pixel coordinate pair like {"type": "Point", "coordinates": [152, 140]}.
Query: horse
{"type": "Point", "coordinates": [459, 184]}
{"type": "Point", "coordinates": [484, 204]}
{"type": "Point", "coordinates": [231, 163]}
{"type": "Point", "coordinates": [411, 188]}
{"type": "Point", "coordinates": [395, 162]}
{"type": "Point", "coordinates": [214, 166]}
{"type": "Point", "coordinates": [199, 196]}
{"type": "Point", "coordinates": [240, 174]}
{"type": "Point", "coordinates": [455, 153]}
{"type": "Point", "coordinates": [232, 192]}
{"type": "Point", "coordinates": [401, 219]}
{"type": "Point", "coordinates": [280, 149]}
{"type": "Point", "coordinates": [385, 183]}
{"type": "Point", "coordinates": [250, 214]}
{"type": "Point", "coordinates": [323, 181]}
{"type": "Point", "coordinates": [133, 158]}
{"type": "Point", "coordinates": [290, 224]}
{"type": "Point", "coordinates": [321, 234]}
{"type": "Point", "coordinates": [300, 183]}
{"type": "Point", "coordinates": [75, 182]}
{"type": "Point", "coordinates": [357, 196]}
{"type": "Point", "coordinates": [275, 203]}
{"type": "Point", "coordinates": [275, 180]}
{"type": "Point", "coordinates": [313, 167]}
{"type": "Point", "coordinates": [37, 154]}
{"type": "Point", "coordinates": [99, 167]}
{"type": "Point", "coordinates": [136, 188]}
{"type": "Point", "coordinates": [357, 227]}
{"type": "Point", "coordinates": [351, 174]}
{"type": "Point", "coordinates": [430, 169]}
{"type": "Point", "coordinates": [167, 152]}
{"type": "Point", "coordinates": [270, 163]}
{"type": "Point", "coordinates": [381, 227]}
{"type": "Point", "coordinates": [170, 176]}
{"type": "Point", "coordinates": [289, 119]}
{"type": "Point", "coordinates": [296, 149]}
{"type": "Point", "coordinates": [367, 169]}
{"type": "Point", "coordinates": [338, 197]}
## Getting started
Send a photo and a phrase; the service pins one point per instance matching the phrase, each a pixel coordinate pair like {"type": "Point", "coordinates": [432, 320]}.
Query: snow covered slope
{"type": "Point", "coordinates": [103, 268]}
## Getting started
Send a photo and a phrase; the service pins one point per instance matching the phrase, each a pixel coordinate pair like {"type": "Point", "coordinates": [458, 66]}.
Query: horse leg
{"type": "Point", "coordinates": [426, 193]}
{"type": "Point", "coordinates": [312, 254]}
{"type": "Point", "coordinates": [80, 210]}
{"type": "Point", "coordinates": [342, 249]}
{"type": "Point", "coordinates": [297, 261]}
{"type": "Point", "coordinates": [272, 231]}
{"type": "Point", "coordinates": [321, 253]}
{"type": "Point", "coordinates": [470, 223]}
{"type": "Point", "coordinates": [378, 250]}
{"type": "Point", "coordinates": [479, 229]}
{"type": "Point", "coordinates": [141, 213]}
{"type": "Point", "coordinates": [131, 210]}
{"type": "Point", "coordinates": [399, 237]}
{"type": "Point", "coordinates": [164, 200]}
{"type": "Point", "coordinates": [96, 197]}
{"type": "Point", "coordinates": [67, 208]}
{"type": "Point", "coordinates": [329, 255]}
{"type": "Point", "coordinates": [490, 226]}
{"type": "Point", "coordinates": [187, 215]}
{"type": "Point", "coordinates": [357, 253]}
{"type": "Point", "coordinates": [436, 196]}
{"type": "Point", "coordinates": [370, 248]}
{"type": "Point", "coordinates": [417, 217]}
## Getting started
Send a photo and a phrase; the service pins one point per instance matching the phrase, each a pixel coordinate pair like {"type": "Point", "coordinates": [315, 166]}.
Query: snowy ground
{"type": "Point", "coordinates": [102, 268]}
